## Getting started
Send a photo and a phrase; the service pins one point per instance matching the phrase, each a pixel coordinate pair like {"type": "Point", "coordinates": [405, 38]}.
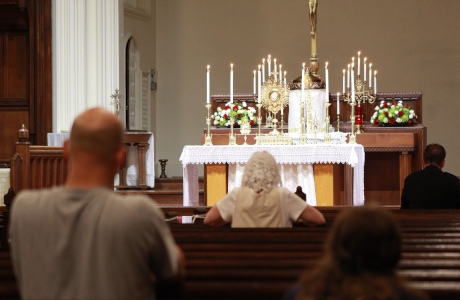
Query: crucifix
{"type": "Point", "coordinates": [116, 101]}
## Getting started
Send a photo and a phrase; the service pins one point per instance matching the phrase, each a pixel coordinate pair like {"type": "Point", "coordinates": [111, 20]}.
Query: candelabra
{"type": "Point", "coordinates": [315, 127]}
{"type": "Point", "coordinates": [231, 138]}
{"type": "Point", "coordinates": [353, 135]}
{"type": "Point", "coordinates": [282, 122]}
{"type": "Point", "coordinates": [208, 136]}
{"type": "Point", "coordinates": [303, 139]}
{"type": "Point", "coordinates": [362, 94]}
{"type": "Point", "coordinates": [327, 136]}
{"type": "Point", "coordinates": [245, 129]}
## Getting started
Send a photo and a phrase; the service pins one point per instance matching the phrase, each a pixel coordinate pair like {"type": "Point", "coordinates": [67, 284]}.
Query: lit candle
{"type": "Point", "coordinates": [285, 77]}
{"type": "Point", "coordinates": [263, 70]}
{"type": "Point", "coordinates": [348, 76]}
{"type": "Point", "coordinates": [259, 84]}
{"type": "Point", "coordinates": [365, 59]}
{"type": "Point", "coordinates": [370, 75]}
{"type": "Point", "coordinates": [327, 82]}
{"type": "Point", "coordinates": [231, 83]}
{"type": "Point", "coordinates": [303, 83]}
{"type": "Point", "coordinates": [353, 82]}
{"type": "Point", "coordinates": [274, 63]}
{"type": "Point", "coordinates": [338, 103]}
{"type": "Point", "coordinates": [281, 74]}
{"type": "Point", "coordinates": [208, 93]}
{"type": "Point", "coordinates": [269, 60]}
{"type": "Point", "coordinates": [344, 81]}
{"type": "Point", "coordinates": [254, 89]}
{"type": "Point", "coordinates": [359, 61]}
{"type": "Point", "coordinates": [375, 82]}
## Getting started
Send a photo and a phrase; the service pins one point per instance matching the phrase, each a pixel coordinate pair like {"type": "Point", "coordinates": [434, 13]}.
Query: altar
{"type": "Point", "coordinates": [289, 157]}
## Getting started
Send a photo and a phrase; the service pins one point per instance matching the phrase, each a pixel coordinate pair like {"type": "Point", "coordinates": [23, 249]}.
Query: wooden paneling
{"type": "Point", "coordinates": [17, 64]}
{"type": "Point", "coordinates": [215, 182]}
{"type": "Point", "coordinates": [8, 134]}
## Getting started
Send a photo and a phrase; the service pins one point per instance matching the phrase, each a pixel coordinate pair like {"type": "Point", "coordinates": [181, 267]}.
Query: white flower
{"type": "Point", "coordinates": [385, 109]}
{"type": "Point", "coordinates": [392, 107]}
{"type": "Point", "coordinates": [381, 105]}
{"type": "Point", "coordinates": [381, 111]}
{"type": "Point", "coordinates": [372, 119]}
{"type": "Point", "coordinates": [398, 120]}
{"type": "Point", "coordinates": [251, 118]}
{"type": "Point", "coordinates": [219, 109]}
{"type": "Point", "coordinates": [376, 108]}
{"type": "Point", "coordinates": [396, 112]}
{"type": "Point", "coordinates": [229, 111]}
{"type": "Point", "coordinates": [375, 114]}
{"type": "Point", "coordinates": [411, 111]}
{"type": "Point", "coordinates": [244, 104]}
{"type": "Point", "coordinates": [216, 122]}
{"type": "Point", "coordinates": [390, 115]}
{"type": "Point", "coordinates": [382, 102]}
{"type": "Point", "coordinates": [411, 116]}
{"type": "Point", "coordinates": [385, 120]}
{"type": "Point", "coordinates": [217, 118]}
{"type": "Point", "coordinates": [239, 122]}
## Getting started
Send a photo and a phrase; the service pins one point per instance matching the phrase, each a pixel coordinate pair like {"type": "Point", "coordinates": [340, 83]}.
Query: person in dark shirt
{"type": "Point", "coordinates": [431, 187]}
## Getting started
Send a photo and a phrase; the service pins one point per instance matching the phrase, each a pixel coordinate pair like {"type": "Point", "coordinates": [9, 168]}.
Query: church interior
{"type": "Point", "coordinates": [168, 68]}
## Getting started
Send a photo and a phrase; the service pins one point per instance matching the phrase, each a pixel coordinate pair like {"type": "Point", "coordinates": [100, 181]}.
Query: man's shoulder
{"type": "Point", "coordinates": [451, 177]}
{"type": "Point", "coordinates": [135, 206]}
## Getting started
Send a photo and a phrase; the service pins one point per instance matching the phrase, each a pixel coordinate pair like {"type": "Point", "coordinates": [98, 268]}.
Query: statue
{"type": "Point", "coordinates": [312, 4]}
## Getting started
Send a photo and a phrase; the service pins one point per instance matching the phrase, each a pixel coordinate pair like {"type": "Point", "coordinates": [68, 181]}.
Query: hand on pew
{"type": "Point", "coordinates": [311, 217]}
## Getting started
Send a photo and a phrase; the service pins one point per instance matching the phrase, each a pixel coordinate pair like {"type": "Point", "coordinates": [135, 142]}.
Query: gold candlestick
{"type": "Point", "coordinates": [327, 136]}
{"type": "Point", "coordinates": [208, 136]}
{"type": "Point", "coordinates": [245, 129]}
{"type": "Point", "coordinates": [282, 122]}
{"type": "Point", "coordinates": [338, 122]}
{"type": "Point", "coordinates": [302, 139]}
{"type": "Point", "coordinates": [353, 135]}
{"type": "Point", "coordinates": [231, 138]}
{"type": "Point", "coordinates": [259, 121]}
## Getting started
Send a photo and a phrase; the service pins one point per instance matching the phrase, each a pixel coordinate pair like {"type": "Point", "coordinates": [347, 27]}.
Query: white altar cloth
{"type": "Point", "coordinates": [285, 155]}
{"type": "Point", "coordinates": [57, 139]}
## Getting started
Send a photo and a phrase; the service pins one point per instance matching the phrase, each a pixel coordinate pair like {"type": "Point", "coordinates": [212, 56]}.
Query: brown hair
{"type": "Point", "coordinates": [434, 154]}
{"type": "Point", "coordinates": [362, 252]}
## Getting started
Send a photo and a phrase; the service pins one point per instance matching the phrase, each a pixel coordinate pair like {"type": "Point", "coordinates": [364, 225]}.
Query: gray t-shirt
{"type": "Point", "coordinates": [89, 244]}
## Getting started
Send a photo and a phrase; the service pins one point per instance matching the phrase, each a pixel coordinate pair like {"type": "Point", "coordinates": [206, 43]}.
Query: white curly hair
{"type": "Point", "coordinates": [261, 173]}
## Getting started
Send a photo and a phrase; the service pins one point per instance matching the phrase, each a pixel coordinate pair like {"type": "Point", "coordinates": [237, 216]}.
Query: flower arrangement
{"type": "Point", "coordinates": [394, 114]}
{"type": "Point", "coordinates": [241, 112]}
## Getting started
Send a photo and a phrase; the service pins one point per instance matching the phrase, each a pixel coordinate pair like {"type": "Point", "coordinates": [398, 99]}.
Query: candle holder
{"type": "Point", "coordinates": [338, 122]}
{"type": "Point", "coordinates": [231, 138]}
{"type": "Point", "coordinates": [282, 122]}
{"type": "Point", "coordinates": [353, 135]}
{"type": "Point", "coordinates": [315, 127]}
{"type": "Point", "coordinates": [259, 120]}
{"type": "Point", "coordinates": [327, 136]}
{"type": "Point", "coordinates": [208, 136]}
{"type": "Point", "coordinates": [302, 139]}
{"type": "Point", "coordinates": [245, 129]}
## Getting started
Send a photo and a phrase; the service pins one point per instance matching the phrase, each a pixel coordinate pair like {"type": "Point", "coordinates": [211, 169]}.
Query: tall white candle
{"type": "Point", "coordinates": [263, 70]}
{"type": "Point", "coordinates": [352, 82]}
{"type": "Point", "coordinates": [338, 103]}
{"type": "Point", "coordinates": [254, 89]}
{"type": "Point", "coordinates": [259, 84]}
{"type": "Point", "coordinates": [208, 93]}
{"type": "Point", "coordinates": [365, 59]}
{"type": "Point", "coordinates": [285, 77]}
{"type": "Point", "coordinates": [327, 82]}
{"type": "Point", "coordinates": [348, 76]}
{"type": "Point", "coordinates": [231, 83]}
{"type": "Point", "coordinates": [274, 63]}
{"type": "Point", "coordinates": [281, 74]}
{"type": "Point", "coordinates": [359, 61]}
{"type": "Point", "coordinates": [303, 83]}
{"type": "Point", "coordinates": [370, 75]}
{"type": "Point", "coordinates": [269, 60]}
{"type": "Point", "coordinates": [344, 81]}
{"type": "Point", "coordinates": [375, 82]}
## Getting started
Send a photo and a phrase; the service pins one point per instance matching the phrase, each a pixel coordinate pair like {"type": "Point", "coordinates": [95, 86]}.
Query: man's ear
{"type": "Point", "coordinates": [66, 150]}
{"type": "Point", "coordinates": [443, 163]}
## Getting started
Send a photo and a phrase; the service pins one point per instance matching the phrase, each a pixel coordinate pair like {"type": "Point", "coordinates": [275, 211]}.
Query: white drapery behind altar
{"type": "Point", "coordinates": [318, 106]}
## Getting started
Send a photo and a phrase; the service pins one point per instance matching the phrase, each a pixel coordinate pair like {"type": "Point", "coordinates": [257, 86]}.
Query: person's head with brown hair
{"type": "Point", "coordinates": [434, 154]}
{"type": "Point", "coordinates": [95, 149]}
{"type": "Point", "coordinates": [362, 252]}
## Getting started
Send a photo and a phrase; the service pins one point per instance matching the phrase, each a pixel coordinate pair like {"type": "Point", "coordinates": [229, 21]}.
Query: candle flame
{"type": "Point", "coordinates": [209, 67]}
{"type": "Point", "coordinates": [231, 67]}
{"type": "Point", "coordinates": [263, 61]}
{"type": "Point", "coordinates": [254, 73]}
{"type": "Point", "coordinates": [359, 53]}
{"type": "Point", "coordinates": [281, 66]}
{"type": "Point", "coordinates": [260, 67]}
{"type": "Point", "coordinates": [285, 73]}
{"type": "Point", "coordinates": [365, 59]}
{"type": "Point", "coordinates": [370, 65]}
{"type": "Point", "coordinates": [348, 66]}
{"type": "Point", "coordinates": [375, 73]}
{"type": "Point", "coordinates": [353, 59]}
{"type": "Point", "coordinates": [343, 72]}
{"type": "Point", "coordinates": [303, 65]}
{"type": "Point", "coordinates": [327, 64]}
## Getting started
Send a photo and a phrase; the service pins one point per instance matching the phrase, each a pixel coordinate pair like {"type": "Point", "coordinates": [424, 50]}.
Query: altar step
{"type": "Point", "coordinates": [167, 191]}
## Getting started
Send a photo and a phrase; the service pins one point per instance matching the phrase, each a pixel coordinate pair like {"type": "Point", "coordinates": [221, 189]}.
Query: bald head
{"type": "Point", "coordinates": [96, 132]}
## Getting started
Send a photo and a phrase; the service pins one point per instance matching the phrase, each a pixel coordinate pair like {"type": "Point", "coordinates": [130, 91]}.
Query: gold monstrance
{"type": "Point", "coordinates": [274, 97]}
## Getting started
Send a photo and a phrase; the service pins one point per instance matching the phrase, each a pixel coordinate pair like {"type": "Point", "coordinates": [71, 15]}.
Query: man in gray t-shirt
{"type": "Point", "coordinates": [83, 241]}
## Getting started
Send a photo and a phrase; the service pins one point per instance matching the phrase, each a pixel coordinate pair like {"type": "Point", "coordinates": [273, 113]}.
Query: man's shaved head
{"type": "Point", "coordinates": [97, 132]}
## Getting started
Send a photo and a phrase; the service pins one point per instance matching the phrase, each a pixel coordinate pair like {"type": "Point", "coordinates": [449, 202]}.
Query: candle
{"type": "Point", "coordinates": [274, 72]}
{"type": "Point", "coordinates": [269, 60]}
{"type": "Point", "coordinates": [359, 120]}
{"type": "Point", "coordinates": [274, 63]}
{"type": "Point", "coordinates": [344, 81]}
{"type": "Point", "coordinates": [338, 103]}
{"type": "Point", "coordinates": [285, 77]}
{"type": "Point", "coordinates": [254, 89]}
{"type": "Point", "coordinates": [365, 59]}
{"type": "Point", "coordinates": [263, 70]}
{"type": "Point", "coordinates": [259, 85]}
{"type": "Point", "coordinates": [370, 75]}
{"type": "Point", "coordinates": [375, 82]}
{"type": "Point", "coordinates": [348, 76]}
{"type": "Point", "coordinates": [303, 83]}
{"type": "Point", "coordinates": [327, 82]}
{"type": "Point", "coordinates": [352, 82]}
{"type": "Point", "coordinates": [208, 93]}
{"type": "Point", "coordinates": [359, 60]}
{"type": "Point", "coordinates": [281, 75]}
{"type": "Point", "coordinates": [231, 83]}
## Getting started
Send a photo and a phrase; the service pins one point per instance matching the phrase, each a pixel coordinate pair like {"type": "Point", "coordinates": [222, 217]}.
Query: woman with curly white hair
{"type": "Point", "coordinates": [261, 202]}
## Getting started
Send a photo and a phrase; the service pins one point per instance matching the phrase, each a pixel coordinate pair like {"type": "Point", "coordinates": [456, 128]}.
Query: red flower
{"type": "Point", "coordinates": [234, 124]}
{"type": "Point", "coordinates": [385, 105]}
{"type": "Point", "coordinates": [225, 107]}
{"type": "Point", "coordinates": [251, 122]}
{"type": "Point", "coordinates": [401, 114]}
{"type": "Point", "coordinates": [376, 122]}
{"type": "Point", "coordinates": [392, 120]}
{"type": "Point", "coordinates": [410, 122]}
{"type": "Point", "coordinates": [386, 114]}
{"type": "Point", "coordinates": [235, 107]}
{"type": "Point", "coordinates": [246, 108]}
{"type": "Point", "coordinates": [405, 106]}
{"type": "Point", "coordinates": [239, 116]}
{"type": "Point", "coordinates": [393, 103]}
{"type": "Point", "coordinates": [225, 116]}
